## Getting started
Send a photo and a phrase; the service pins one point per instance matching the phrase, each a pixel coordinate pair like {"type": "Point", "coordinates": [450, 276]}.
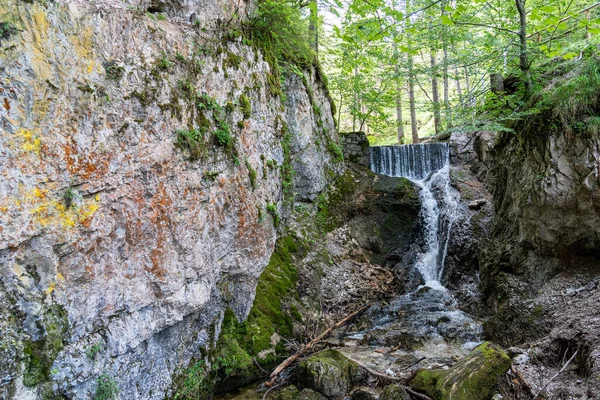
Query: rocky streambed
{"type": "Point", "coordinates": [413, 339]}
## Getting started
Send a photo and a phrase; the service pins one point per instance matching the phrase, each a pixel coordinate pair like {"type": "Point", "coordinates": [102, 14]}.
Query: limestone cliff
{"type": "Point", "coordinates": [146, 162]}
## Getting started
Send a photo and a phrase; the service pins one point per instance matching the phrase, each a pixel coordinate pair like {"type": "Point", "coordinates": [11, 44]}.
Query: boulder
{"type": "Point", "coordinates": [292, 393]}
{"type": "Point", "coordinates": [329, 373]}
{"type": "Point", "coordinates": [394, 392]}
{"type": "Point", "coordinates": [473, 378]}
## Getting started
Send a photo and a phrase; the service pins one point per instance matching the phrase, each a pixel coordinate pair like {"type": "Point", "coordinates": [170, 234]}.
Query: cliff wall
{"type": "Point", "coordinates": [146, 163]}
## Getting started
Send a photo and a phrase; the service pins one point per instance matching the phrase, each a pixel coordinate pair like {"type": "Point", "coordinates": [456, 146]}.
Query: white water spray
{"type": "Point", "coordinates": [428, 166]}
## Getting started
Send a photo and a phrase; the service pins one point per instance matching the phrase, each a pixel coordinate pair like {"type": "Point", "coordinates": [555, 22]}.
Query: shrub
{"type": "Point", "coordinates": [223, 134]}
{"type": "Point", "coordinates": [114, 71]}
{"type": "Point", "coordinates": [191, 140]}
{"type": "Point", "coordinates": [195, 384]}
{"type": "Point", "coordinates": [252, 174]}
{"type": "Point", "coordinates": [245, 106]}
{"type": "Point", "coordinates": [92, 351]}
{"type": "Point", "coordinates": [272, 209]}
{"type": "Point", "coordinates": [106, 388]}
{"type": "Point", "coordinates": [7, 30]}
{"type": "Point", "coordinates": [163, 62]}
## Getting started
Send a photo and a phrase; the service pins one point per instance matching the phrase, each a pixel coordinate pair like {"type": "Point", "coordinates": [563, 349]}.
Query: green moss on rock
{"type": "Point", "coordinates": [329, 373]}
{"type": "Point", "coordinates": [394, 392]}
{"type": "Point", "coordinates": [473, 378]}
{"type": "Point", "coordinates": [40, 354]}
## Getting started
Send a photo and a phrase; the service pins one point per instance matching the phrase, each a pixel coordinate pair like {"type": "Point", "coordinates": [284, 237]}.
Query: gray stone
{"type": "Point", "coordinates": [356, 148]}
{"type": "Point", "coordinates": [103, 215]}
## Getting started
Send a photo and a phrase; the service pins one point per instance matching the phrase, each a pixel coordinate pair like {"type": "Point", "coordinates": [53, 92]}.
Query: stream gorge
{"type": "Point", "coordinates": [179, 215]}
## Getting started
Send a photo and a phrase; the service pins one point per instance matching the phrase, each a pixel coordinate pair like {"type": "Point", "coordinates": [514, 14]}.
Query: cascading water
{"type": "Point", "coordinates": [428, 166]}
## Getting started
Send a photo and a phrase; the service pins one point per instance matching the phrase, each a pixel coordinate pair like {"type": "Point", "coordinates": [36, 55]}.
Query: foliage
{"type": "Point", "coordinates": [70, 197]}
{"type": "Point", "coordinates": [106, 388]}
{"type": "Point", "coordinates": [195, 384]}
{"type": "Point", "coordinates": [272, 209]}
{"type": "Point", "coordinates": [114, 71]}
{"type": "Point", "coordinates": [163, 62]}
{"type": "Point", "coordinates": [384, 60]}
{"type": "Point", "coordinates": [245, 106]}
{"type": "Point", "coordinates": [92, 351]}
{"type": "Point", "coordinates": [7, 29]}
{"type": "Point", "coordinates": [252, 174]}
{"type": "Point", "coordinates": [222, 134]}
{"type": "Point", "coordinates": [282, 27]}
{"type": "Point", "coordinates": [335, 150]}
{"type": "Point", "coordinates": [577, 98]}
{"type": "Point", "coordinates": [280, 31]}
{"type": "Point", "coordinates": [40, 354]}
{"type": "Point", "coordinates": [191, 140]}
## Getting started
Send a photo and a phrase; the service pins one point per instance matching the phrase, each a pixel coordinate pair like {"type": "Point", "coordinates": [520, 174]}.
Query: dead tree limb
{"type": "Point", "coordinates": [556, 375]}
{"type": "Point", "coordinates": [417, 395]}
{"type": "Point", "coordinates": [306, 348]}
{"type": "Point", "coordinates": [375, 373]}
{"type": "Point", "coordinates": [522, 381]}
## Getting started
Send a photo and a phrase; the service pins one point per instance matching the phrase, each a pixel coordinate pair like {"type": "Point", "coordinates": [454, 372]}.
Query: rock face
{"type": "Point", "coordinates": [122, 240]}
{"type": "Point", "coordinates": [473, 378]}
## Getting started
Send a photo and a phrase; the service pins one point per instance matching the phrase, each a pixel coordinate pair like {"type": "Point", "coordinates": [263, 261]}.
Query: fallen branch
{"type": "Point", "coordinates": [524, 384]}
{"type": "Point", "coordinates": [373, 372]}
{"type": "Point", "coordinates": [417, 395]}
{"type": "Point", "coordinates": [413, 364]}
{"type": "Point", "coordinates": [292, 359]}
{"type": "Point", "coordinates": [556, 375]}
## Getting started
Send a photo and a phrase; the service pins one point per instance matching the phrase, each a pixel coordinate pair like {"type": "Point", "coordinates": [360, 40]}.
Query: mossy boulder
{"type": "Point", "coordinates": [394, 392]}
{"type": "Point", "coordinates": [292, 393]}
{"type": "Point", "coordinates": [329, 373]}
{"type": "Point", "coordinates": [473, 378]}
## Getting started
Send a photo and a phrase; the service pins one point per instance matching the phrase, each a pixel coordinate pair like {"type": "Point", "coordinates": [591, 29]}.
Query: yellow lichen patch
{"type": "Point", "coordinates": [54, 213]}
{"type": "Point", "coordinates": [39, 36]}
{"type": "Point", "coordinates": [83, 46]}
{"type": "Point", "coordinates": [51, 288]}
{"type": "Point", "coordinates": [28, 141]}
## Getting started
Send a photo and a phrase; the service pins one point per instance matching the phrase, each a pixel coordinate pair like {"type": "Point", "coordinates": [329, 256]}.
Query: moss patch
{"type": "Point", "coordinates": [245, 106]}
{"type": "Point", "coordinates": [473, 378]}
{"type": "Point", "coordinates": [268, 314]}
{"type": "Point", "coordinates": [39, 355]}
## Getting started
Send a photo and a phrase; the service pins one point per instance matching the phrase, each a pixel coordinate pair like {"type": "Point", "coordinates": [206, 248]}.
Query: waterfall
{"type": "Point", "coordinates": [428, 166]}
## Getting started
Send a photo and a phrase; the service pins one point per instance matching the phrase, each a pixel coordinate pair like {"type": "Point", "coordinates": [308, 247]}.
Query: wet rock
{"type": "Point", "coordinates": [292, 393]}
{"type": "Point", "coordinates": [473, 378]}
{"type": "Point", "coordinates": [394, 392]}
{"type": "Point", "coordinates": [362, 394]}
{"type": "Point", "coordinates": [477, 204]}
{"type": "Point", "coordinates": [329, 373]}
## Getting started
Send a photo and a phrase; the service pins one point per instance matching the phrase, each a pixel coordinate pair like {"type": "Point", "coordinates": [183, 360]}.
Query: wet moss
{"type": "Point", "coordinates": [40, 354]}
{"type": "Point", "coordinates": [232, 61]}
{"type": "Point", "coordinates": [245, 106]}
{"type": "Point", "coordinates": [7, 29]}
{"type": "Point", "coordinates": [473, 378]}
{"type": "Point", "coordinates": [327, 218]}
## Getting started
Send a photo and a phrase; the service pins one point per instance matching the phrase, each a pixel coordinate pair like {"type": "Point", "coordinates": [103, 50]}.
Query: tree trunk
{"type": "Point", "coordinates": [458, 87]}
{"type": "Point", "coordinates": [411, 85]}
{"type": "Point", "coordinates": [435, 96]}
{"type": "Point", "coordinates": [468, 88]}
{"type": "Point", "coordinates": [447, 88]}
{"type": "Point", "coordinates": [446, 78]}
{"type": "Point", "coordinates": [399, 119]}
{"type": "Point", "coordinates": [523, 56]}
{"type": "Point", "coordinates": [313, 26]}
{"type": "Point", "coordinates": [355, 100]}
